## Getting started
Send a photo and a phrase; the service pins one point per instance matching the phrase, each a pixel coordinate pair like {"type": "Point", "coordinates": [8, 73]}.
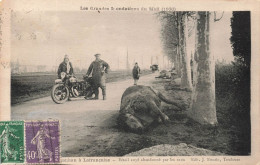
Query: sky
{"type": "Point", "coordinates": [44, 37]}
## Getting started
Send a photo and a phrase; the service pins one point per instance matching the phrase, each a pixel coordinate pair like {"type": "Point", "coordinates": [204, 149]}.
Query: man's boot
{"type": "Point", "coordinates": [104, 97]}
{"type": "Point", "coordinates": [104, 92]}
{"type": "Point", "coordinates": [96, 94]}
{"type": "Point", "coordinates": [96, 97]}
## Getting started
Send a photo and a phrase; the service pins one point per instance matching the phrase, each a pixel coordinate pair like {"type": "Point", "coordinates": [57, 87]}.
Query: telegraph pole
{"type": "Point", "coordinates": [127, 61]}
{"type": "Point", "coordinates": [118, 62]}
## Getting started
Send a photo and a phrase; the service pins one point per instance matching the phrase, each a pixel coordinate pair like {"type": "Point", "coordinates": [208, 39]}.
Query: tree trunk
{"type": "Point", "coordinates": [177, 61]}
{"type": "Point", "coordinates": [186, 69]}
{"type": "Point", "coordinates": [203, 108]}
{"type": "Point", "coordinates": [178, 56]}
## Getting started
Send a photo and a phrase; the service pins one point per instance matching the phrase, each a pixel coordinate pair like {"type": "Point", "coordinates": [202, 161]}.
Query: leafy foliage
{"type": "Point", "coordinates": [241, 44]}
{"type": "Point", "coordinates": [241, 37]}
{"type": "Point", "coordinates": [169, 33]}
{"type": "Point", "coordinates": [233, 104]}
{"type": "Point", "coordinates": [233, 84]}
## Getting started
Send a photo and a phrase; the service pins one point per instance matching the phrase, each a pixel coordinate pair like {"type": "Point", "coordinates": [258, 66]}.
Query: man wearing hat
{"type": "Point", "coordinates": [98, 69]}
{"type": "Point", "coordinates": [65, 66]}
{"type": "Point", "coordinates": [136, 73]}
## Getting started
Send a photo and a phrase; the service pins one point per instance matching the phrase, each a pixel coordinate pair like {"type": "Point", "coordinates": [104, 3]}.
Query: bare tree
{"type": "Point", "coordinates": [185, 57]}
{"type": "Point", "coordinates": [203, 108]}
{"type": "Point", "coordinates": [169, 34]}
{"type": "Point", "coordinates": [174, 37]}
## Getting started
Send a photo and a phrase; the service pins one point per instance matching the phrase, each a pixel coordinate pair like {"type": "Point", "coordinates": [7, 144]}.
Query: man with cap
{"type": "Point", "coordinates": [65, 66]}
{"type": "Point", "coordinates": [98, 69]}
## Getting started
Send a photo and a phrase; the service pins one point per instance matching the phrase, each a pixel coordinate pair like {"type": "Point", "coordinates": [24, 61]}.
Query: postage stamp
{"type": "Point", "coordinates": [42, 141]}
{"type": "Point", "coordinates": [12, 141]}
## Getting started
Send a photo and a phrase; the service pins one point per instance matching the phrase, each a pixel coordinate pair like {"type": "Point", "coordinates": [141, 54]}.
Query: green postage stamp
{"type": "Point", "coordinates": [11, 142]}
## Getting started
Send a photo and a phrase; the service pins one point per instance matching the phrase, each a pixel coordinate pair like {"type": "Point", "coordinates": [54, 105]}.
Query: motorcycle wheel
{"type": "Point", "coordinates": [74, 91]}
{"type": "Point", "coordinates": [59, 93]}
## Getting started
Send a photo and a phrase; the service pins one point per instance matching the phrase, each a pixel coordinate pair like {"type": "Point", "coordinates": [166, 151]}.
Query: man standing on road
{"type": "Point", "coordinates": [98, 69]}
{"type": "Point", "coordinates": [136, 73]}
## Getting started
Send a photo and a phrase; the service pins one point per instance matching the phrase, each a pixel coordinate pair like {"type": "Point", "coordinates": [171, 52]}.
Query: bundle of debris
{"type": "Point", "coordinates": [165, 74]}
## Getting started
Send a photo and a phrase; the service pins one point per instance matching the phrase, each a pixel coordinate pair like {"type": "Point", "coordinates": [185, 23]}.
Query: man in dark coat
{"type": "Point", "coordinates": [98, 69]}
{"type": "Point", "coordinates": [65, 66]}
{"type": "Point", "coordinates": [136, 73]}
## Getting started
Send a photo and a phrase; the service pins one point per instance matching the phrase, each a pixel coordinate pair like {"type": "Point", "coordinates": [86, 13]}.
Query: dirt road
{"type": "Point", "coordinates": [87, 126]}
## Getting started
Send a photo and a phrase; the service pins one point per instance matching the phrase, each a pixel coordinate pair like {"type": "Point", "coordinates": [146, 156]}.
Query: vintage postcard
{"type": "Point", "coordinates": [131, 82]}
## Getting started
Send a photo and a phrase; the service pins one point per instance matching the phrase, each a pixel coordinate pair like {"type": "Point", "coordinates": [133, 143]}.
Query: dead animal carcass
{"type": "Point", "coordinates": [140, 108]}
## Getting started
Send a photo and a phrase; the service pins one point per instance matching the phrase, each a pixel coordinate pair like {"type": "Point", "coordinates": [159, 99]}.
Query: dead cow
{"type": "Point", "coordinates": [140, 107]}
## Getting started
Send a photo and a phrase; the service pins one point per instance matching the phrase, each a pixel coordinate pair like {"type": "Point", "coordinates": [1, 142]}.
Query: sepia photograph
{"type": "Point", "coordinates": [135, 83]}
{"type": "Point", "coordinates": [132, 81]}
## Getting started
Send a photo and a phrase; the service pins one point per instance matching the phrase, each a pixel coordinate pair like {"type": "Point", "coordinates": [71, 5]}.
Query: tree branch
{"type": "Point", "coordinates": [215, 19]}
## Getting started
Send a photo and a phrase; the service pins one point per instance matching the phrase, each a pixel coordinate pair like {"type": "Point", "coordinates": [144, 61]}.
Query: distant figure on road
{"type": "Point", "coordinates": [65, 66]}
{"type": "Point", "coordinates": [98, 68]}
{"type": "Point", "coordinates": [136, 73]}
